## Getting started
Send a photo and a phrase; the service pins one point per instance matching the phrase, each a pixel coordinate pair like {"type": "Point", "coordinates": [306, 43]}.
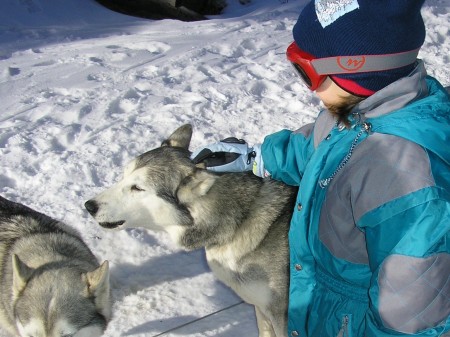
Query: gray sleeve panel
{"type": "Point", "coordinates": [414, 293]}
{"type": "Point", "coordinates": [306, 130]}
{"type": "Point", "coordinates": [382, 168]}
{"type": "Point", "coordinates": [324, 123]}
{"type": "Point", "coordinates": [337, 228]}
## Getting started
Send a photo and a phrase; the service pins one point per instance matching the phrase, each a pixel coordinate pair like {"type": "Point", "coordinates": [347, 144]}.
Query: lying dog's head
{"type": "Point", "coordinates": [58, 302]}
{"type": "Point", "coordinates": [146, 195]}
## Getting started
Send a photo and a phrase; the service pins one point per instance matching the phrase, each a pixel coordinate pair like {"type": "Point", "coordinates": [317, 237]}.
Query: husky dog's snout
{"type": "Point", "coordinates": [91, 206]}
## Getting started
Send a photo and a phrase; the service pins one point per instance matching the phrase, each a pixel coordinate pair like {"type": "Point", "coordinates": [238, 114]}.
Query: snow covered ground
{"type": "Point", "coordinates": [84, 90]}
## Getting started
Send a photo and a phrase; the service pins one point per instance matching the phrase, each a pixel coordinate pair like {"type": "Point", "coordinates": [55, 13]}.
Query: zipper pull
{"type": "Point", "coordinates": [367, 127]}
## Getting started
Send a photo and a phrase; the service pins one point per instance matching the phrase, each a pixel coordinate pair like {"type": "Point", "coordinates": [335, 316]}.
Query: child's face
{"type": "Point", "coordinates": [331, 94]}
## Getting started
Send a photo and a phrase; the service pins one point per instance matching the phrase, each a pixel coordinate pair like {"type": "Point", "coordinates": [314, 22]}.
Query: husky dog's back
{"type": "Point", "coordinates": [51, 285]}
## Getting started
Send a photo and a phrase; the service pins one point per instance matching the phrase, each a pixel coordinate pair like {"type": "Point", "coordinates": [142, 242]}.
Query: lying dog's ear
{"type": "Point", "coordinates": [181, 137]}
{"type": "Point", "coordinates": [195, 186]}
{"type": "Point", "coordinates": [97, 283]}
{"type": "Point", "coordinates": [21, 275]}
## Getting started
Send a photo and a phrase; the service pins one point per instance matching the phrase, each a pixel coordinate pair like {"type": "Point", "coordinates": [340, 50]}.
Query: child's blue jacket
{"type": "Point", "coordinates": [369, 237]}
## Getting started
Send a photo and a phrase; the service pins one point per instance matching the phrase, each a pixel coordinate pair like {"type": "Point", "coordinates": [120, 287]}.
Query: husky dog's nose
{"type": "Point", "coordinates": [91, 206]}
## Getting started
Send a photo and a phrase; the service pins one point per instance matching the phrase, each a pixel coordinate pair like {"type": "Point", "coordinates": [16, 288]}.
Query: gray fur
{"type": "Point", "coordinates": [48, 275]}
{"type": "Point", "coordinates": [241, 220]}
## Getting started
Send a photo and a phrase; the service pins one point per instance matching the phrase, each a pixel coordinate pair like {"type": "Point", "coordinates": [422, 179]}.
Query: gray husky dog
{"type": "Point", "coordinates": [51, 285]}
{"type": "Point", "coordinates": [241, 220]}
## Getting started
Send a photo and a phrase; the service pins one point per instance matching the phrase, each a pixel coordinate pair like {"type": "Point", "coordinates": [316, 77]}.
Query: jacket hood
{"type": "Point", "coordinates": [425, 121]}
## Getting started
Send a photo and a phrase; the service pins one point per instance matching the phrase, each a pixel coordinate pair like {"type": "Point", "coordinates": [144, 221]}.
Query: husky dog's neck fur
{"type": "Point", "coordinates": [235, 219]}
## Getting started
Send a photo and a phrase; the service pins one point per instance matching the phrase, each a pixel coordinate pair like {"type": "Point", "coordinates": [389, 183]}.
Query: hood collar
{"type": "Point", "coordinates": [396, 95]}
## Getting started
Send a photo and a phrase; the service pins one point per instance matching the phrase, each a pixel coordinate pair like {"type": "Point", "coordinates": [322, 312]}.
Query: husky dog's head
{"type": "Point", "coordinates": [76, 305]}
{"type": "Point", "coordinates": [146, 195]}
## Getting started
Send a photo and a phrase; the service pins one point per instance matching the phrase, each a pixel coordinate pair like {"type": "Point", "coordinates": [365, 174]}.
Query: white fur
{"type": "Point", "coordinates": [121, 203]}
{"type": "Point", "coordinates": [36, 328]}
{"type": "Point", "coordinates": [90, 331]}
{"type": "Point", "coordinates": [224, 260]}
{"type": "Point", "coordinates": [33, 328]}
{"type": "Point", "coordinates": [175, 233]}
{"type": "Point", "coordinates": [224, 256]}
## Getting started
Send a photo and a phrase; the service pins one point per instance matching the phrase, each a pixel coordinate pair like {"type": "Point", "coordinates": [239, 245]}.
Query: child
{"type": "Point", "coordinates": [369, 237]}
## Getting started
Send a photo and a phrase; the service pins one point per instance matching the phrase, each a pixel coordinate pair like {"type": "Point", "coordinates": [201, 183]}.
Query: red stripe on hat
{"type": "Point", "coordinates": [352, 87]}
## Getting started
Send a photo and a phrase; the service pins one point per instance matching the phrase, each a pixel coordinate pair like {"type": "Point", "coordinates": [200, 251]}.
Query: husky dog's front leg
{"type": "Point", "coordinates": [264, 324]}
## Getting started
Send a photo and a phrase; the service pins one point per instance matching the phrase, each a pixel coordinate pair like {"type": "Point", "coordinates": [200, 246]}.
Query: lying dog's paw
{"type": "Point", "coordinates": [195, 186]}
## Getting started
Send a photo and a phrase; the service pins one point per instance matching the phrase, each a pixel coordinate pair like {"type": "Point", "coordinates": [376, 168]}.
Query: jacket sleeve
{"type": "Point", "coordinates": [408, 242]}
{"type": "Point", "coordinates": [286, 154]}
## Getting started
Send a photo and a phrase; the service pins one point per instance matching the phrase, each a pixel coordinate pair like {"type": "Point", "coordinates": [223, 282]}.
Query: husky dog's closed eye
{"type": "Point", "coordinates": [51, 285]}
{"type": "Point", "coordinates": [241, 220]}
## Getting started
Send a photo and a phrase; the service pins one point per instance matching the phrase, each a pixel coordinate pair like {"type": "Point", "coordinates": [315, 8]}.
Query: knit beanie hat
{"type": "Point", "coordinates": [361, 27]}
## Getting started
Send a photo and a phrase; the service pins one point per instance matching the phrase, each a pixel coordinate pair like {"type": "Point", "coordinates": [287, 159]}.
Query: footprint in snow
{"type": "Point", "coordinates": [13, 71]}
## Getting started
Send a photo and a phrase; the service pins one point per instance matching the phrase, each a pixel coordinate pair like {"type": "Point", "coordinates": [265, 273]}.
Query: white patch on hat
{"type": "Point", "coordinates": [329, 11]}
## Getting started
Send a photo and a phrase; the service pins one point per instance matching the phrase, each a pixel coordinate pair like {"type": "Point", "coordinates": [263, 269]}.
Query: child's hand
{"type": "Point", "coordinates": [228, 155]}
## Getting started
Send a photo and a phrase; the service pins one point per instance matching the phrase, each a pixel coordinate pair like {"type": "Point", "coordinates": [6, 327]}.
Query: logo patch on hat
{"type": "Point", "coordinates": [328, 11]}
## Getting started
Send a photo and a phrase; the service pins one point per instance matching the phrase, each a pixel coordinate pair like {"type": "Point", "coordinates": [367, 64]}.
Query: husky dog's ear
{"type": "Point", "coordinates": [181, 137]}
{"type": "Point", "coordinates": [97, 282]}
{"type": "Point", "coordinates": [21, 275]}
{"type": "Point", "coordinates": [195, 186]}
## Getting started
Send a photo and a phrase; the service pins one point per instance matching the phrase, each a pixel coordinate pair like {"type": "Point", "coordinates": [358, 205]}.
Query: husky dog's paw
{"type": "Point", "coordinates": [195, 186]}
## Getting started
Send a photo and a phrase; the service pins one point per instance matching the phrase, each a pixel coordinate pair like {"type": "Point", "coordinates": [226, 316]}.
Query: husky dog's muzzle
{"type": "Point", "coordinates": [92, 207]}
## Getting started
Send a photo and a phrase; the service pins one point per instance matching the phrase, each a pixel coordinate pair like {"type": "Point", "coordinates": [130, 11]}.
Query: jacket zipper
{"type": "Point", "coordinates": [365, 127]}
{"type": "Point", "coordinates": [343, 332]}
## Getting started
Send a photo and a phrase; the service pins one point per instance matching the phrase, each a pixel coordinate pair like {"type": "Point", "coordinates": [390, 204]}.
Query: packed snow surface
{"type": "Point", "coordinates": [84, 90]}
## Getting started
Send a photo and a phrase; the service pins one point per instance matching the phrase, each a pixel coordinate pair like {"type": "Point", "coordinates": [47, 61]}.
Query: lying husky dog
{"type": "Point", "coordinates": [241, 220]}
{"type": "Point", "coordinates": [51, 285]}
